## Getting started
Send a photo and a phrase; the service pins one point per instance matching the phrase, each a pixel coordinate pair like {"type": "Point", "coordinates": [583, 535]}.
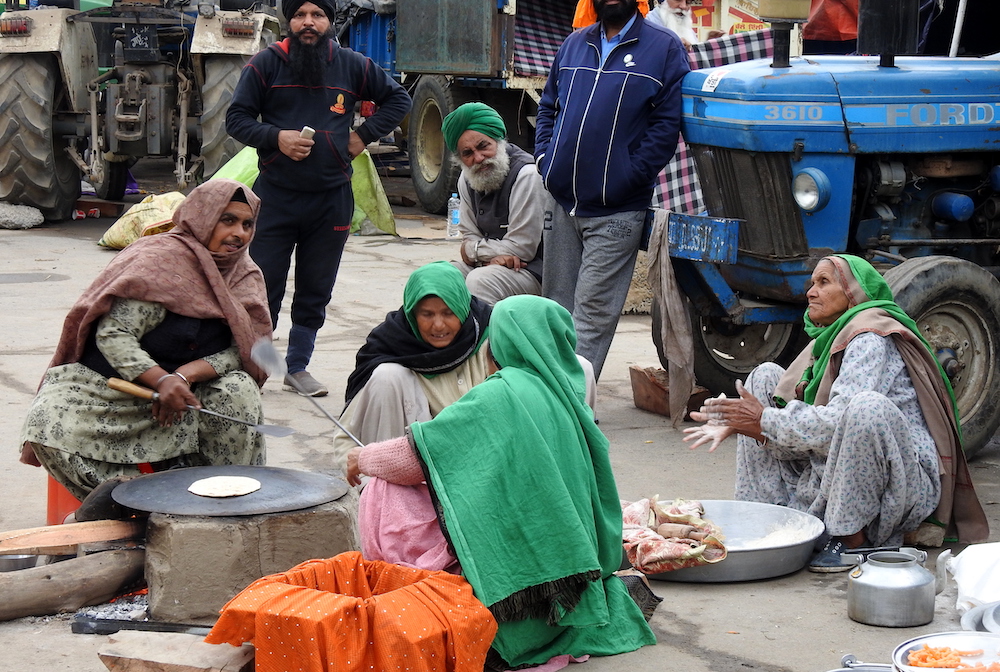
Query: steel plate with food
{"type": "Point", "coordinates": [965, 651]}
{"type": "Point", "coordinates": [762, 540]}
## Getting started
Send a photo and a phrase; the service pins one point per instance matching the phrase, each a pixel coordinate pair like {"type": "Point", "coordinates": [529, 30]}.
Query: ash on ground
{"type": "Point", "coordinates": [126, 608]}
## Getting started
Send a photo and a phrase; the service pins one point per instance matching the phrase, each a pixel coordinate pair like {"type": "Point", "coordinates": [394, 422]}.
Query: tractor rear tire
{"type": "Point", "coordinates": [433, 168]}
{"type": "Point", "coordinates": [725, 352]}
{"type": "Point", "coordinates": [956, 304]}
{"type": "Point", "coordinates": [222, 74]}
{"type": "Point", "coordinates": [35, 168]}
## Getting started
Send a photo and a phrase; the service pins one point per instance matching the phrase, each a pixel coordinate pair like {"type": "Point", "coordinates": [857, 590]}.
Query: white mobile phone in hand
{"type": "Point", "coordinates": [307, 132]}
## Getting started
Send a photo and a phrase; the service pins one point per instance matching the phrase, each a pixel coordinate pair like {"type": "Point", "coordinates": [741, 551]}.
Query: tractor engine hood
{"type": "Point", "coordinates": [846, 105]}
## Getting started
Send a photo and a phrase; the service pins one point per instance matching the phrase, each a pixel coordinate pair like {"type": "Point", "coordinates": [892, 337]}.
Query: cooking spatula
{"type": "Point", "coordinates": [146, 393]}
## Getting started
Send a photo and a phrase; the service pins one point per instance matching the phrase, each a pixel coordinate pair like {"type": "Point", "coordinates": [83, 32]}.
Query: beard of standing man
{"type": "Point", "coordinates": [307, 60]}
{"type": "Point", "coordinates": [615, 13]}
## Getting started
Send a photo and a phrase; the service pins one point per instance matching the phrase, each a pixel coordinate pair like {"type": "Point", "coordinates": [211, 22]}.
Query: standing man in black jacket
{"type": "Point", "coordinates": [307, 80]}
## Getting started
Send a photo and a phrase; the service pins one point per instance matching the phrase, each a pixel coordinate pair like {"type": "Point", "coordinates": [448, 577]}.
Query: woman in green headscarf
{"type": "Point", "coordinates": [861, 430]}
{"type": "Point", "coordinates": [423, 357]}
{"type": "Point", "coordinates": [520, 477]}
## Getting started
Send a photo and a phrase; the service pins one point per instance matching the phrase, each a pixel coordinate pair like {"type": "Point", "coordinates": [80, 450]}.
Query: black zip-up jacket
{"type": "Point", "coordinates": [266, 90]}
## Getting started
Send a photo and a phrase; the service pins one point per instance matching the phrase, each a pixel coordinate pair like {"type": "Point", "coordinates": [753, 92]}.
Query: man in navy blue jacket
{"type": "Point", "coordinates": [607, 124]}
{"type": "Point", "coordinates": [308, 79]}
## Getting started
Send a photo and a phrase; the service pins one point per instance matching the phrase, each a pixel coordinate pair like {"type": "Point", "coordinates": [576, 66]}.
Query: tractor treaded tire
{"type": "Point", "coordinates": [35, 169]}
{"type": "Point", "coordinates": [433, 167]}
{"type": "Point", "coordinates": [957, 303]}
{"type": "Point", "coordinates": [222, 74]}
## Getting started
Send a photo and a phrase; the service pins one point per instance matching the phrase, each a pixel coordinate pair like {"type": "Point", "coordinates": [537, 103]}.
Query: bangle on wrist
{"type": "Point", "coordinates": [161, 379]}
{"type": "Point", "coordinates": [181, 376]}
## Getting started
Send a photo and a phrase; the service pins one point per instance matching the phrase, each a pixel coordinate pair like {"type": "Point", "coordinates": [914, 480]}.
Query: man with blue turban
{"type": "Point", "coordinates": [501, 211]}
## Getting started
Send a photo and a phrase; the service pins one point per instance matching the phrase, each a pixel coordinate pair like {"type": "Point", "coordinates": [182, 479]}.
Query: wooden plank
{"type": "Point", "coordinates": [63, 539]}
{"type": "Point", "coordinates": [172, 652]}
{"type": "Point", "coordinates": [70, 584]}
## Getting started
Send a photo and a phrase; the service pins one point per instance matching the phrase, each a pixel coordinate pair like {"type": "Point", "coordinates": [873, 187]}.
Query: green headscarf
{"type": "Point", "coordinates": [472, 117]}
{"type": "Point", "coordinates": [878, 295]}
{"type": "Point", "coordinates": [522, 478]}
{"type": "Point", "coordinates": [439, 279]}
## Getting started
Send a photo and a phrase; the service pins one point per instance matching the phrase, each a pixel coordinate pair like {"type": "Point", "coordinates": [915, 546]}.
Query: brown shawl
{"type": "Point", "coordinates": [959, 508]}
{"type": "Point", "coordinates": [176, 269]}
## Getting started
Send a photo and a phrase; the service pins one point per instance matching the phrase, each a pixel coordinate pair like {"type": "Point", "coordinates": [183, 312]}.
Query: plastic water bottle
{"type": "Point", "coordinates": [452, 232]}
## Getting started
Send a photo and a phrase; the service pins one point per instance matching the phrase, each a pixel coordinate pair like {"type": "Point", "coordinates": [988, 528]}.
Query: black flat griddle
{"type": "Point", "coordinates": [280, 490]}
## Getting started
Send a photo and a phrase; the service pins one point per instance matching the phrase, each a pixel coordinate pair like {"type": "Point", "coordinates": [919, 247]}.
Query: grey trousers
{"type": "Point", "coordinates": [494, 282]}
{"type": "Point", "coordinates": [587, 269]}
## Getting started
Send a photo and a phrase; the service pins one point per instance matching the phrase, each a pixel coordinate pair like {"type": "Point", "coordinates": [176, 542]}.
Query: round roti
{"type": "Point", "coordinates": [224, 486]}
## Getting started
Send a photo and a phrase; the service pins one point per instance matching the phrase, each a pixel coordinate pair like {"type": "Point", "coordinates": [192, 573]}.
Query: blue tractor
{"type": "Point", "coordinates": [896, 159]}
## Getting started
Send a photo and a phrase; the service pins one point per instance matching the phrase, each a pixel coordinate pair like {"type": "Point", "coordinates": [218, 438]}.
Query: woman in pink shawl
{"type": "Point", "coordinates": [178, 313]}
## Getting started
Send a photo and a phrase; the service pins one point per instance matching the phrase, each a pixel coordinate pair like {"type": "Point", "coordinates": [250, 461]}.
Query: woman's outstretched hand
{"type": "Point", "coordinates": [725, 417]}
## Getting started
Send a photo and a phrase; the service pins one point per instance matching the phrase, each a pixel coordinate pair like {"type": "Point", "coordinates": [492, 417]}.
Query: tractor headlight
{"type": "Point", "coordinates": [811, 189]}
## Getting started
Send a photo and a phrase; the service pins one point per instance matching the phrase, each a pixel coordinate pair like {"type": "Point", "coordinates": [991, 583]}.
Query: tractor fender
{"type": "Point", "coordinates": [73, 44]}
{"type": "Point", "coordinates": [210, 39]}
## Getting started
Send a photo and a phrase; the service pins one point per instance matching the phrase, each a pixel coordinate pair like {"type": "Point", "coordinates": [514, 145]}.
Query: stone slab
{"type": "Point", "coordinates": [195, 564]}
{"type": "Point", "coordinates": [131, 651]}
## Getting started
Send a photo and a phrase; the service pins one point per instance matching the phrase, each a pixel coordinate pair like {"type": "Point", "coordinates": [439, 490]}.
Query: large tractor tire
{"type": "Point", "coordinates": [35, 169]}
{"type": "Point", "coordinates": [956, 304]}
{"type": "Point", "coordinates": [433, 168]}
{"type": "Point", "coordinates": [222, 74]}
{"type": "Point", "coordinates": [725, 352]}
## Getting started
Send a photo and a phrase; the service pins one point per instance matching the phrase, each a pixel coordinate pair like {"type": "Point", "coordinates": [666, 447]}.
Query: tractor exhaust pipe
{"type": "Point", "coordinates": [888, 28]}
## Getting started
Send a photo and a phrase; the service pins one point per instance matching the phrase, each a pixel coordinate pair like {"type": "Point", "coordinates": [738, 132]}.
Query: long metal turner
{"type": "Point", "coordinates": [266, 356]}
{"type": "Point", "coordinates": [146, 393]}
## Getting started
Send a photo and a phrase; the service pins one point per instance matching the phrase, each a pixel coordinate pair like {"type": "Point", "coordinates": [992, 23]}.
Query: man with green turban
{"type": "Point", "coordinates": [501, 212]}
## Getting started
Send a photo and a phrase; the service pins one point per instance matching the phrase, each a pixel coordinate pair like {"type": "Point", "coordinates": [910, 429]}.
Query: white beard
{"type": "Point", "coordinates": [490, 180]}
{"type": "Point", "coordinates": [678, 21]}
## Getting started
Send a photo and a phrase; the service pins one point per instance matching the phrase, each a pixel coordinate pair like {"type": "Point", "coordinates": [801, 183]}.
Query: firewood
{"type": "Point", "coordinates": [69, 585]}
{"type": "Point", "coordinates": [63, 539]}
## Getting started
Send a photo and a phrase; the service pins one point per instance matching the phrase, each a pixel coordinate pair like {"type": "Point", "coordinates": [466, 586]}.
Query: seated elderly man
{"type": "Point", "coordinates": [501, 213]}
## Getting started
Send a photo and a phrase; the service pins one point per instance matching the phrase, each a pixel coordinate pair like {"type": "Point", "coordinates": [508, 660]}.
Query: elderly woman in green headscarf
{"type": "Point", "coordinates": [861, 430]}
{"type": "Point", "coordinates": [422, 358]}
{"type": "Point", "coordinates": [519, 478]}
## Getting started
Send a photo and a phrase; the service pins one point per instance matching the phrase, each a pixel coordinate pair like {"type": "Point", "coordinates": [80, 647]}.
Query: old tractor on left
{"type": "Point", "coordinates": [87, 91]}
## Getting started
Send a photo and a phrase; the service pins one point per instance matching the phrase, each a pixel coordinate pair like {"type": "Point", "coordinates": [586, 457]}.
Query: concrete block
{"type": "Point", "coordinates": [131, 651]}
{"type": "Point", "coordinates": [195, 564]}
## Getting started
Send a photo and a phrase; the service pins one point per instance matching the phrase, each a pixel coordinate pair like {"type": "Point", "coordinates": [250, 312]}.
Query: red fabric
{"type": "Point", "coordinates": [832, 20]}
{"type": "Point", "coordinates": [177, 270]}
{"type": "Point", "coordinates": [346, 613]}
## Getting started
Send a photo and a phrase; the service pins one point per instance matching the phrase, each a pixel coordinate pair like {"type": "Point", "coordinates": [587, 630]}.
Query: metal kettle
{"type": "Point", "coordinates": [891, 588]}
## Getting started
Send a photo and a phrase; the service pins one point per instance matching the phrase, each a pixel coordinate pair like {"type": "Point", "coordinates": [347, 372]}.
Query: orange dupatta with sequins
{"type": "Point", "coordinates": [346, 613]}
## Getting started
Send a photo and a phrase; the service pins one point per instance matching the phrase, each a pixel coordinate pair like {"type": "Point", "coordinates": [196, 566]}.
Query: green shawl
{"type": "Point", "coordinates": [523, 484]}
{"type": "Point", "coordinates": [877, 294]}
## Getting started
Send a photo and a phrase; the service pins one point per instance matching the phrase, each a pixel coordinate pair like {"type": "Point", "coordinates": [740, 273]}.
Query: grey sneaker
{"type": "Point", "coordinates": [303, 383]}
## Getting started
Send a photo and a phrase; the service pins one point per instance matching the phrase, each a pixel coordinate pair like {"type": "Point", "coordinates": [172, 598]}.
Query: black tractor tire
{"type": "Point", "coordinates": [35, 169]}
{"type": "Point", "coordinates": [725, 353]}
{"type": "Point", "coordinates": [434, 169]}
{"type": "Point", "coordinates": [112, 188]}
{"type": "Point", "coordinates": [222, 74]}
{"type": "Point", "coordinates": [956, 304]}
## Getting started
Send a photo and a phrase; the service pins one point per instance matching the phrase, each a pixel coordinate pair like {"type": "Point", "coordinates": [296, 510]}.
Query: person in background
{"type": "Point", "coordinates": [599, 161]}
{"type": "Point", "coordinates": [675, 15]}
{"type": "Point", "coordinates": [832, 27]}
{"type": "Point", "coordinates": [177, 313]}
{"type": "Point", "coordinates": [308, 79]}
{"type": "Point", "coordinates": [501, 213]}
{"type": "Point", "coordinates": [862, 429]}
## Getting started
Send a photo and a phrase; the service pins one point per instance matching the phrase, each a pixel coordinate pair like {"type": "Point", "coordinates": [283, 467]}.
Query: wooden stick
{"type": "Point", "coordinates": [70, 584]}
{"type": "Point", "coordinates": [63, 539]}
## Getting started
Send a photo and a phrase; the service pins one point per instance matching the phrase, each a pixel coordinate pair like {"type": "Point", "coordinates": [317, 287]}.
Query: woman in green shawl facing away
{"type": "Point", "coordinates": [519, 475]}
{"type": "Point", "coordinates": [862, 429]}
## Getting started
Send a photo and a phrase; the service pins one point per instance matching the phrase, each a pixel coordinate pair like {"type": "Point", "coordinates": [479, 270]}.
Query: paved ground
{"type": "Point", "coordinates": [796, 623]}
